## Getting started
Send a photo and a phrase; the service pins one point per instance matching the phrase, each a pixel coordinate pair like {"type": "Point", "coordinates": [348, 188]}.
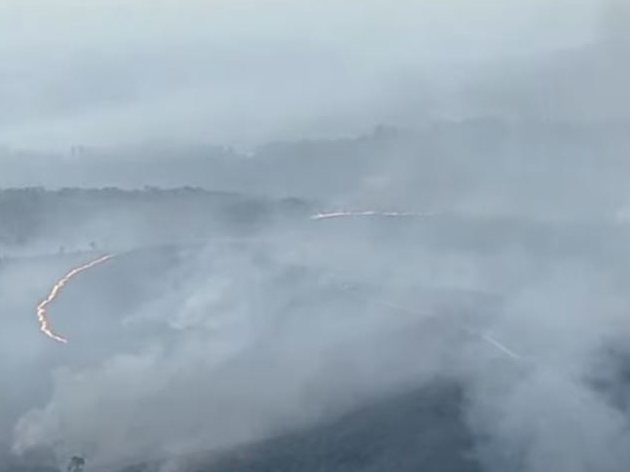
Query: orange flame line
{"type": "Point", "coordinates": [342, 214]}
{"type": "Point", "coordinates": [44, 323]}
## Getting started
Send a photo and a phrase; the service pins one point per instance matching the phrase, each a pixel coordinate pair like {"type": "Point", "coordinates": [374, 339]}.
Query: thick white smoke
{"type": "Point", "coordinates": [236, 347]}
{"type": "Point", "coordinates": [234, 344]}
{"type": "Point", "coordinates": [240, 351]}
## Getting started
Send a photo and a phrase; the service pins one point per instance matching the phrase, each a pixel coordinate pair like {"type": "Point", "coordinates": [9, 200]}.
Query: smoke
{"type": "Point", "coordinates": [550, 413]}
{"type": "Point", "coordinates": [246, 72]}
{"type": "Point", "coordinates": [242, 351]}
{"type": "Point", "coordinates": [176, 350]}
{"type": "Point", "coordinates": [238, 343]}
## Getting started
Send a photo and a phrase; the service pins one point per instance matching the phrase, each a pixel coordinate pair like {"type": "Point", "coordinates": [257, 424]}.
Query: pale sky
{"type": "Point", "coordinates": [244, 71]}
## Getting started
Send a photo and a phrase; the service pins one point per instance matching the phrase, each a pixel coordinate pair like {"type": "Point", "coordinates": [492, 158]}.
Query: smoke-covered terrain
{"type": "Point", "coordinates": [447, 342]}
{"type": "Point", "coordinates": [345, 236]}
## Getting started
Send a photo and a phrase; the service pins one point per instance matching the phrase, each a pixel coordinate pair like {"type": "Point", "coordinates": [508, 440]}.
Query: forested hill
{"type": "Point", "coordinates": [79, 219]}
{"type": "Point", "coordinates": [534, 166]}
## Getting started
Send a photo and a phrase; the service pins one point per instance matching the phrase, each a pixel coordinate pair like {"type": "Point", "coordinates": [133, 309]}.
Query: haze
{"type": "Point", "coordinates": [246, 72]}
{"type": "Point", "coordinates": [461, 306]}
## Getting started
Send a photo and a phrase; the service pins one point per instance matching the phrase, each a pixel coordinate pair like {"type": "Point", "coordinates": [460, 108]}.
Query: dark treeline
{"type": "Point", "coordinates": [535, 167]}
{"type": "Point", "coordinates": [95, 218]}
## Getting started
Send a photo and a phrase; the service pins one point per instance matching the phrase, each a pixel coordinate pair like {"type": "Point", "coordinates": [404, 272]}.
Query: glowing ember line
{"type": "Point", "coordinates": [344, 214]}
{"type": "Point", "coordinates": [500, 346]}
{"type": "Point", "coordinates": [44, 324]}
{"type": "Point", "coordinates": [486, 337]}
